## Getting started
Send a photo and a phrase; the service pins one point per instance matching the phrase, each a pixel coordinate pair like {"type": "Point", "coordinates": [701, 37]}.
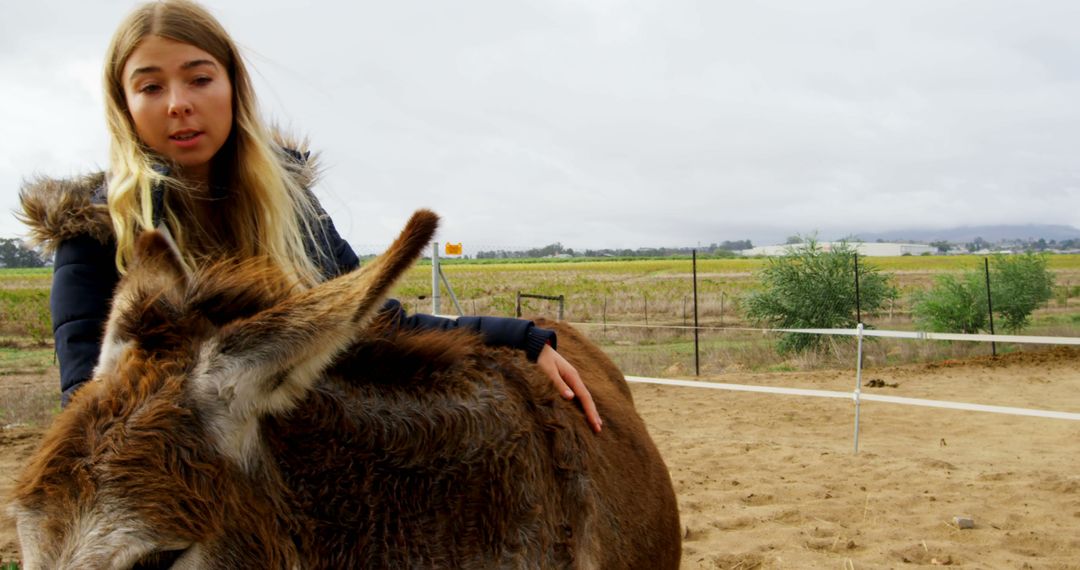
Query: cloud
{"type": "Point", "coordinates": [624, 123]}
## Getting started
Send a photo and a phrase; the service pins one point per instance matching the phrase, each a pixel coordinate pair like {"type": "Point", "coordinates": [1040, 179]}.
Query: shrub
{"type": "Point", "coordinates": [953, 304]}
{"type": "Point", "coordinates": [1018, 285]}
{"type": "Point", "coordinates": [813, 288]}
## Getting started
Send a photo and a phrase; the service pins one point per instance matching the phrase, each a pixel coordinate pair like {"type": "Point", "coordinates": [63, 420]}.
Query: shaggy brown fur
{"type": "Point", "coordinates": [410, 449]}
{"type": "Point", "coordinates": [460, 455]}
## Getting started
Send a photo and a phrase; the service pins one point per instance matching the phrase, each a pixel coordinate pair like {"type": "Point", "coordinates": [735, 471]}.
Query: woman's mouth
{"type": "Point", "coordinates": [186, 138]}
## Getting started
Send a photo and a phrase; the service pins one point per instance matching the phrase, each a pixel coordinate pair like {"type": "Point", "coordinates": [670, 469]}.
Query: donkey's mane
{"type": "Point", "coordinates": [233, 289]}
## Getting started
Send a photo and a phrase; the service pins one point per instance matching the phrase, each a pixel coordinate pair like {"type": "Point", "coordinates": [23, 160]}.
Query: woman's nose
{"type": "Point", "coordinates": [179, 106]}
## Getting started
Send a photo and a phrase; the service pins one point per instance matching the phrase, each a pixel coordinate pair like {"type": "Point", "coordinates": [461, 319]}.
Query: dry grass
{"type": "Point", "coordinates": [24, 400]}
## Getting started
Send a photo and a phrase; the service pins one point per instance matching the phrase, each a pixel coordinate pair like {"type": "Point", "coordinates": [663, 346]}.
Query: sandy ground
{"type": "Point", "coordinates": [770, 481]}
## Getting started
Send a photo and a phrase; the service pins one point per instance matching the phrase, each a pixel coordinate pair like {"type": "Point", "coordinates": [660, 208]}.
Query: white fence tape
{"type": "Point", "coordinates": [916, 335]}
{"type": "Point", "coordinates": [864, 396]}
{"type": "Point", "coordinates": [920, 335]}
{"type": "Point", "coordinates": [857, 395]}
{"type": "Point", "coordinates": [741, 387]}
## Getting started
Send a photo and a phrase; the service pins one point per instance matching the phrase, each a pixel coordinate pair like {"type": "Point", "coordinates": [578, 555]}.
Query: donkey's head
{"type": "Point", "coordinates": [158, 461]}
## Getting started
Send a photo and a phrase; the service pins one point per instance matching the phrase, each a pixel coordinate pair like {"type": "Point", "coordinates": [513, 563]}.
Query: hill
{"type": "Point", "coordinates": [966, 234]}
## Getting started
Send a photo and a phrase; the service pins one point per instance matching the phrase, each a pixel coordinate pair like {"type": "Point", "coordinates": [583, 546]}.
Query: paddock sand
{"type": "Point", "coordinates": [770, 481]}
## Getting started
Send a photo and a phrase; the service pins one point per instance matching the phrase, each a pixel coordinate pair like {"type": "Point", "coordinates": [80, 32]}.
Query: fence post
{"type": "Point", "coordinates": [697, 357]}
{"type": "Point", "coordinates": [517, 305]}
{"type": "Point", "coordinates": [562, 301]}
{"type": "Point", "coordinates": [604, 314]}
{"type": "Point", "coordinates": [858, 382]}
{"type": "Point", "coordinates": [435, 278]}
{"type": "Point", "coordinates": [989, 305]}
{"type": "Point", "coordinates": [858, 300]}
{"type": "Point", "coordinates": [646, 297]}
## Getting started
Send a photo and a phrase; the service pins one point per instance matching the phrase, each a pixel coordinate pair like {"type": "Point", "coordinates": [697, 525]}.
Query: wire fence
{"type": "Point", "coordinates": [647, 321]}
{"type": "Point", "coordinates": [665, 334]}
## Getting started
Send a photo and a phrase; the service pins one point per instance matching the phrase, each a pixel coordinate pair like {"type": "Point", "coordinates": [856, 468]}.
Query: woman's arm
{"type": "Point", "coordinates": [84, 276]}
{"type": "Point", "coordinates": [539, 345]}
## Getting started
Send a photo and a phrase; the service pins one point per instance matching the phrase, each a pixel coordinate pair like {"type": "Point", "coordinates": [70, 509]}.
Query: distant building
{"type": "Point", "coordinates": [876, 249]}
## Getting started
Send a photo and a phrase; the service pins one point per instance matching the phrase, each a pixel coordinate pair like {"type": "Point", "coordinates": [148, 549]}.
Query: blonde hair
{"type": "Point", "coordinates": [271, 214]}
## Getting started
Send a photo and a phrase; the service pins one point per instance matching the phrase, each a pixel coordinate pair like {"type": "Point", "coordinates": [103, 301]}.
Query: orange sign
{"type": "Point", "coordinates": [453, 249]}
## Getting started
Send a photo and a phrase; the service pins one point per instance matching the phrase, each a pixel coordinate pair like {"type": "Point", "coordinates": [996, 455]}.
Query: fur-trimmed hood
{"type": "Point", "coordinates": [55, 210]}
{"type": "Point", "coordinates": [58, 209]}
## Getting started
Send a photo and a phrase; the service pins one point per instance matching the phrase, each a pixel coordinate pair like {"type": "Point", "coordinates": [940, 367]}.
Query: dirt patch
{"type": "Point", "coordinates": [773, 482]}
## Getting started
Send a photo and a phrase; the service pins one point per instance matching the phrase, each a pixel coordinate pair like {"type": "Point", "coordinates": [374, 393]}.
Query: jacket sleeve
{"type": "Point", "coordinates": [344, 257]}
{"type": "Point", "coordinates": [333, 254]}
{"type": "Point", "coordinates": [496, 331]}
{"type": "Point", "coordinates": [84, 276]}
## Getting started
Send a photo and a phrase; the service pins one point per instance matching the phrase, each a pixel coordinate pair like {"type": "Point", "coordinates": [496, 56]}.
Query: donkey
{"type": "Point", "coordinates": [236, 422]}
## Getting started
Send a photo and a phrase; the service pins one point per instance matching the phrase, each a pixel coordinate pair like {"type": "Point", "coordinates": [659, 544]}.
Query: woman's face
{"type": "Point", "coordinates": [180, 99]}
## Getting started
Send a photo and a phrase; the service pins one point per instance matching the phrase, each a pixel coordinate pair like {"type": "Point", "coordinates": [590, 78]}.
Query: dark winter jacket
{"type": "Point", "coordinates": [70, 218]}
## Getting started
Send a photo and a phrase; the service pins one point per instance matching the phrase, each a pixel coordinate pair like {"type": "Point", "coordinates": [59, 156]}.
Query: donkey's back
{"type": "Point", "coordinates": [432, 450]}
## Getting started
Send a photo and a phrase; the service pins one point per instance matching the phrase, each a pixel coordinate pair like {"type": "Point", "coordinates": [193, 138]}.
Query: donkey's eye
{"type": "Point", "coordinates": [160, 560]}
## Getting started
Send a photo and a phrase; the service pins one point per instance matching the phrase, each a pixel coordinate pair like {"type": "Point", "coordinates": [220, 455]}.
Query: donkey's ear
{"type": "Point", "coordinates": [149, 295]}
{"type": "Point", "coordinates": [156, 256]}
{"type": "Point", "coordinates": [266, 363]}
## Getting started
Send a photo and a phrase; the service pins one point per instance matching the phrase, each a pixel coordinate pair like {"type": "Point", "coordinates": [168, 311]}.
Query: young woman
{"type": "Point", "coordinates": [190, 153]}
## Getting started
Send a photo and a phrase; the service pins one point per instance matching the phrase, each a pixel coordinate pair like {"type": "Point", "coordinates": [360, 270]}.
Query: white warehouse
{"type": "Point", "coordinates": [876, 249]}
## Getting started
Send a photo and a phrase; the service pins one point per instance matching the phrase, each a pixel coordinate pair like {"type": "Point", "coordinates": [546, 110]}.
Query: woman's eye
{"type": "Point", "coordinates": [150, 88]}
{"type": "Point", "coordinates": [202, 80]}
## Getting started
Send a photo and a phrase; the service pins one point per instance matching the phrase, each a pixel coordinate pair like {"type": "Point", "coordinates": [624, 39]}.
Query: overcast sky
{"type": "Point", "coordinates": [609, 123]}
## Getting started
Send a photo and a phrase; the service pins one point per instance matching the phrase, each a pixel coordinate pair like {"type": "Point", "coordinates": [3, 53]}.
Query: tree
{"type": "Point", "coordinates": [14, 253]}
{"type": "Point", "coordinates": [978, 244]}
{"type": "Point", "coordinates": [811, 288]}
{"type": "Point", "coordinates": [1018, 285]}
{"type": "Point", "coordinates": [735, 245]}
{"type": "Point", "coordinates": [953, 304]}
{"type": "Point", "coordinates": [942, 246]}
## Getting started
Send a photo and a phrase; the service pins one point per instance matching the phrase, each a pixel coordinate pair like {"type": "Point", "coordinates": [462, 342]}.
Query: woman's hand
{"type": "Point", "coordinates": [568, 382]}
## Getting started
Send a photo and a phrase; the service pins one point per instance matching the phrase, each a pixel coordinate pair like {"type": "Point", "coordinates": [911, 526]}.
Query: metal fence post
{"type": "Point", "coordinates": [858, 300]}
{"type": "Point", "coordinates": [989, 305]}
{"type": "Point", "coordinates": [435, 278]}
{"type": "Point", "coordinates": [858, 383]}
{"type": "Point", "coordinates": [697, 354]}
